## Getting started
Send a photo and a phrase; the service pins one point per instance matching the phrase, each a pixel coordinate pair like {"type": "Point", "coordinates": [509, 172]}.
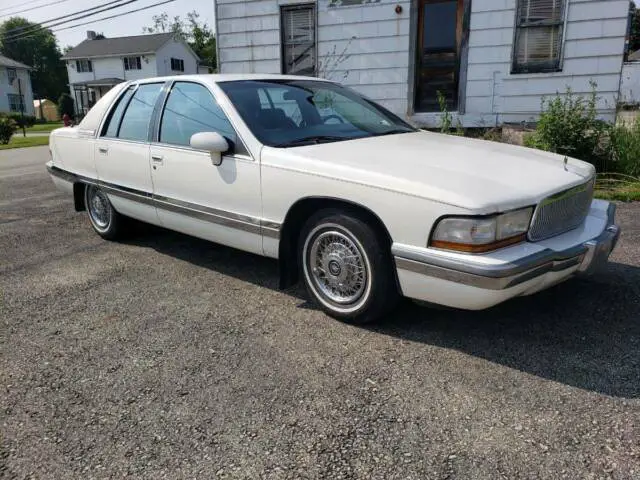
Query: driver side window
{"type": "Point", "coordinates": [190, 109]}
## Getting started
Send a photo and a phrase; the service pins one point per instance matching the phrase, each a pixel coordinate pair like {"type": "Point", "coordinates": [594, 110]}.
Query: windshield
{"type": "Point", "coordinates": [287, 113]}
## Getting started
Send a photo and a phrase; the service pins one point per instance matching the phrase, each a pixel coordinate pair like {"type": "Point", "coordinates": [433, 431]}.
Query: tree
{"type": "Point", "coordinates": [197, 34]}
{"type": "Point", "coordinates": [39, 50]}
{"type": "Point", "coordinates": [634, 28]}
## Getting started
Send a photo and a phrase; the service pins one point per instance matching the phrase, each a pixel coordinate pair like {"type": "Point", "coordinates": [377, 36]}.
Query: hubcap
{"type": "Point", "coordinates": [99, 207]}
{"type": "Point", "coordinates": [337, 267]}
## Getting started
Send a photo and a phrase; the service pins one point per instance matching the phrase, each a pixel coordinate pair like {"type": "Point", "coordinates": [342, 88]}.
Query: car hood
{"type": "Point", "coordinates": [477, 175]}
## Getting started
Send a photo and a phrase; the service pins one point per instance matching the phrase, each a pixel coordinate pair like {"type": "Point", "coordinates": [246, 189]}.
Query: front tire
{"type": "Point", "coordinates": [347, 268]}
{"type": "Point", "coordinates": [103, 217]}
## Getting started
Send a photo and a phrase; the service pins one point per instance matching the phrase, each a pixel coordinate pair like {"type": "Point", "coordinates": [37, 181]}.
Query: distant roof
{"type": "Point", "coordinates": [7, 62]}
{"type": "Point", "coordinates": [118, 46]}
{"type": "Point", "coordinates": [634, 56]}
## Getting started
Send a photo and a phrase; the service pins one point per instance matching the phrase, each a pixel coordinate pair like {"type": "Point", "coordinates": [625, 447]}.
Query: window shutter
{"type": "Point", "coordinates": [298, 40]}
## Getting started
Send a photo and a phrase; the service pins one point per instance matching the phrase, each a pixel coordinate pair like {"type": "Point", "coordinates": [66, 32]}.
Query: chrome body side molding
{"type": "Point", "coordinates": [245, 223]}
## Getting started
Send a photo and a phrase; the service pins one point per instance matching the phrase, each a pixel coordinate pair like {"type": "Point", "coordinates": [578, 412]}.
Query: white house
{"type": "Point", "coordinates": [15, 86]}
{"type": "Point", "coordinates": [493, 60]}
{"type": "Point", "coordinates": [97, 64]}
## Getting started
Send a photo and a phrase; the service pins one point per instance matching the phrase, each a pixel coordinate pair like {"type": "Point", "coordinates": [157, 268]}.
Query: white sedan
{"type": "Point", "coordinates": [347, 196]}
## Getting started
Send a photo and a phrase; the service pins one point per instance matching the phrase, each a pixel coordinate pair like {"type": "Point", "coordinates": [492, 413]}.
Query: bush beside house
{"type": "Point", "coordinates": [7, 129]}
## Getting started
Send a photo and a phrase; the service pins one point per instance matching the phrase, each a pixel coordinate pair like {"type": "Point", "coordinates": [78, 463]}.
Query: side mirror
{"type": "Point", "coordinates": [212, 142]}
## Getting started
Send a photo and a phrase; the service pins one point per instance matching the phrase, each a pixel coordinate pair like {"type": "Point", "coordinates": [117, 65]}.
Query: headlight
{"type": "Point", "coordinates": [482, 234]}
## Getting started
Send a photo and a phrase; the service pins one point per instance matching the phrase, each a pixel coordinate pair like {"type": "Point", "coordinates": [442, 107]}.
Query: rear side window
{"type": "Point", "coordinates": [137, 117]}
{"type": "Point", "coordinates": [111, 128]}
{"type": "Point", "coordinates": [191, 108]}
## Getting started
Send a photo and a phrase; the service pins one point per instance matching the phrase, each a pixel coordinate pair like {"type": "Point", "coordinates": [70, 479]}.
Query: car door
{"type": "Point", "coordinates": [193, 195]}
{"type": "Point", "coordinates": [122, 152]}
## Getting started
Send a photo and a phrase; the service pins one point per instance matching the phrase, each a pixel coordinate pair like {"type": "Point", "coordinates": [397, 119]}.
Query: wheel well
{"type": "Point", "coordinates": [295, 219]}
{"type": "Point", "coordinates": [78, 196]}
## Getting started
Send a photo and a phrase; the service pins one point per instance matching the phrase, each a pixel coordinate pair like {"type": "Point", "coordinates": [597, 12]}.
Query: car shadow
{"type": "Point", "coordinates": [584, 333]}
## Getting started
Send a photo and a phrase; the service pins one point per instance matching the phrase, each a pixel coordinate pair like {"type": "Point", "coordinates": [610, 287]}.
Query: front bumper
{"type": "Point", "coordinates": [480, 281]}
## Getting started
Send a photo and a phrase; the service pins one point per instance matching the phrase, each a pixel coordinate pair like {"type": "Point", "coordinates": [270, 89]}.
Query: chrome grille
{"type": "Point", "coordinates": [561, 212]}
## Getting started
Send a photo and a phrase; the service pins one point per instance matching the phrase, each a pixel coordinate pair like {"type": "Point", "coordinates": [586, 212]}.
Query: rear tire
{"type": "Point", "coordinates": [103, 217]}
{"type": "Point", "coordinates": [347, 267]}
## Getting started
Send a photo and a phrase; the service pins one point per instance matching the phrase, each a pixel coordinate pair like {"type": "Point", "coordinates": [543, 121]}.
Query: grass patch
{"type": "Point", "coordinates": [23, 142]}
{"type": "Point", "coordinates": [43, 127]}
{"type": "Point", "coordinates": [615, 186]}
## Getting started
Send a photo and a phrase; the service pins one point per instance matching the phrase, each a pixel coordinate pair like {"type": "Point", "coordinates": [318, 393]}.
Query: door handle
{"type": "Point", "coordinates": [103, 150]}
{"type": "Point", "coordinates": [156, 158]}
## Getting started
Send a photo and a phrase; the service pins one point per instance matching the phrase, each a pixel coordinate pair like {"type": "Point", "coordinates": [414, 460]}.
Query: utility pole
{"type": "Point", "coordinates": [24, 131]}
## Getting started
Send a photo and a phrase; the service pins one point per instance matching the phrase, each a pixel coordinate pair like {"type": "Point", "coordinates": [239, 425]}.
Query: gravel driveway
{"type": "Point", "coordinates": [170, 357]}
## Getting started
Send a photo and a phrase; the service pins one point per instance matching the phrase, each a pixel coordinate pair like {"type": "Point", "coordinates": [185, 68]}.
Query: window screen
{"type": "Point", "coordinates": [177, 65]}
{"type": "Point", "coordinates": [538, 42]}
{"type": "Point", "coordinates": [298, 40]}
{"type": "Point", "coordinates": [137, 117]}
{"type": "Point", "coordinates": [132, 63]}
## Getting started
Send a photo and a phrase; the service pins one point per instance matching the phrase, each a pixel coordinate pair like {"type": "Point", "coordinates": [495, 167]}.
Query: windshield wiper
{"type": "Point", "coordinates": [311, 140]}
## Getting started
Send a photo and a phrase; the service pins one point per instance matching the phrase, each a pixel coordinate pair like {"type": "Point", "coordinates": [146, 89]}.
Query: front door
{"type": "Point", "coordinates": [438, 54]}
{"type": "Point", "coordinates": [193, 195]}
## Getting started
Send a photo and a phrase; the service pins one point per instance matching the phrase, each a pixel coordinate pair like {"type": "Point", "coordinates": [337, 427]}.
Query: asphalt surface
{"type": "Point", "coordinates": [170, 357]}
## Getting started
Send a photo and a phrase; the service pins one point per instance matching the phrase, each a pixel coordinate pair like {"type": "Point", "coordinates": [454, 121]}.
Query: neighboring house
{"type": "Point", "coordinates": [15, 86]}
{"type": "Point", "coordinates": [493, 60]}
{"type": "Point", "coordinates": [97, 64]}
{"type": "Point", "coordinates": [46, 109]}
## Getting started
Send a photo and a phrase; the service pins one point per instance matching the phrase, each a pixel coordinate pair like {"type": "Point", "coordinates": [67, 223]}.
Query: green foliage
{"type": "Point", "coordinates": [7, 129]}
{"type": "Point", "coordinates": [197, 34]}
{"type": "Point", "coordinates": [39, 50]}
{"type": "Point", "coordinates": [446, 119]}
{"type": "Point", "coordinates": [569, 126]}
{"type": "Point", "coordinates": [65, 105]}
{"type": "Point", "coordinates": [20, 121]}
{"type": "Point", "coordinates": [625, 149]}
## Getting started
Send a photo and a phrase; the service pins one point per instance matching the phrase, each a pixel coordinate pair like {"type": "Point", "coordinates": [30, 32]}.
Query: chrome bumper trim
{"type": "Point", "coordinates": [588, 255]}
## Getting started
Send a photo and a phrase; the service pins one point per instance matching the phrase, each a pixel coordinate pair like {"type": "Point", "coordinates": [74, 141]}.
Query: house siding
{"type": "Point", "coordinates": [6, 88]}
{"type": "Point", "coordinates": [162, 61]}
{"type": "Point", "coordinates": [593, 51]}
{"type": "Point", "coordinates": [377, 59]}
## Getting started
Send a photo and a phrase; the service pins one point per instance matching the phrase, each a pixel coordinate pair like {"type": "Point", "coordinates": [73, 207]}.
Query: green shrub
{"type": "Point", "coordinates": [569, 126]}
{"type": "Point", "coordinates": [7, 129]}
{"type": "Point", "coordinates": [624, 143]}
{"type": "Point", "coordinates": [65, 105]}
{"type": "Point", "coordinates": [20, 120]}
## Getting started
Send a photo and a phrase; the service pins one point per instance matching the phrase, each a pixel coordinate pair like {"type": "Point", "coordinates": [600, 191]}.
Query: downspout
{"type": "Point", "coordinates": [218, 68]}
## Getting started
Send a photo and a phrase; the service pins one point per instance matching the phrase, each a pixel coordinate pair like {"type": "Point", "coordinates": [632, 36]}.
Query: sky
{"type": "Point", "coordinates": [126, 25]}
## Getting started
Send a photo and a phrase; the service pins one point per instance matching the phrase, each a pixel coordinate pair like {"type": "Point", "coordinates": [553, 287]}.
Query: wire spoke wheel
{"type": "Point", "coordinates": [337, 267]}
{"type": "Point", "coordinates": [99, 207]}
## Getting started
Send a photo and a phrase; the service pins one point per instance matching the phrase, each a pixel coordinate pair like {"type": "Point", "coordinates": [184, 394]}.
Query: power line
{"type": "Point", "coordinates": [30, 8]}
{"type": "Point", "coordinates": [114, 16]}
{"type": "Point", "coordinates": [19, 4]}
{"type": "Point", "coordinates": [92, 11]}
{"type": "Point", "coordinates": [101, 19]}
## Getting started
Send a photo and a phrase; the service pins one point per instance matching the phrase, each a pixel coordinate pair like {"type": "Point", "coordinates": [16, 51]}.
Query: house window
{"type": "Point", "coordinates": [11, 75]}
{"type": "Point", "coordinates": [538, 42]}
{"type": "Point", "coordinates": [132, 63]}
{"type": "Point", "coordinates": [298, 39]}
{"type": "Point", "coordinates": [177, 65]}
{"type": "Point", "coordinates": [84, 66]}
{"type": "Point", "coordinates": [16, 102]}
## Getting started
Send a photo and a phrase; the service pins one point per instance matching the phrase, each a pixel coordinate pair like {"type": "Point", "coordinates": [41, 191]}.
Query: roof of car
{"type": "Point", "coordinates": [230, 77]}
